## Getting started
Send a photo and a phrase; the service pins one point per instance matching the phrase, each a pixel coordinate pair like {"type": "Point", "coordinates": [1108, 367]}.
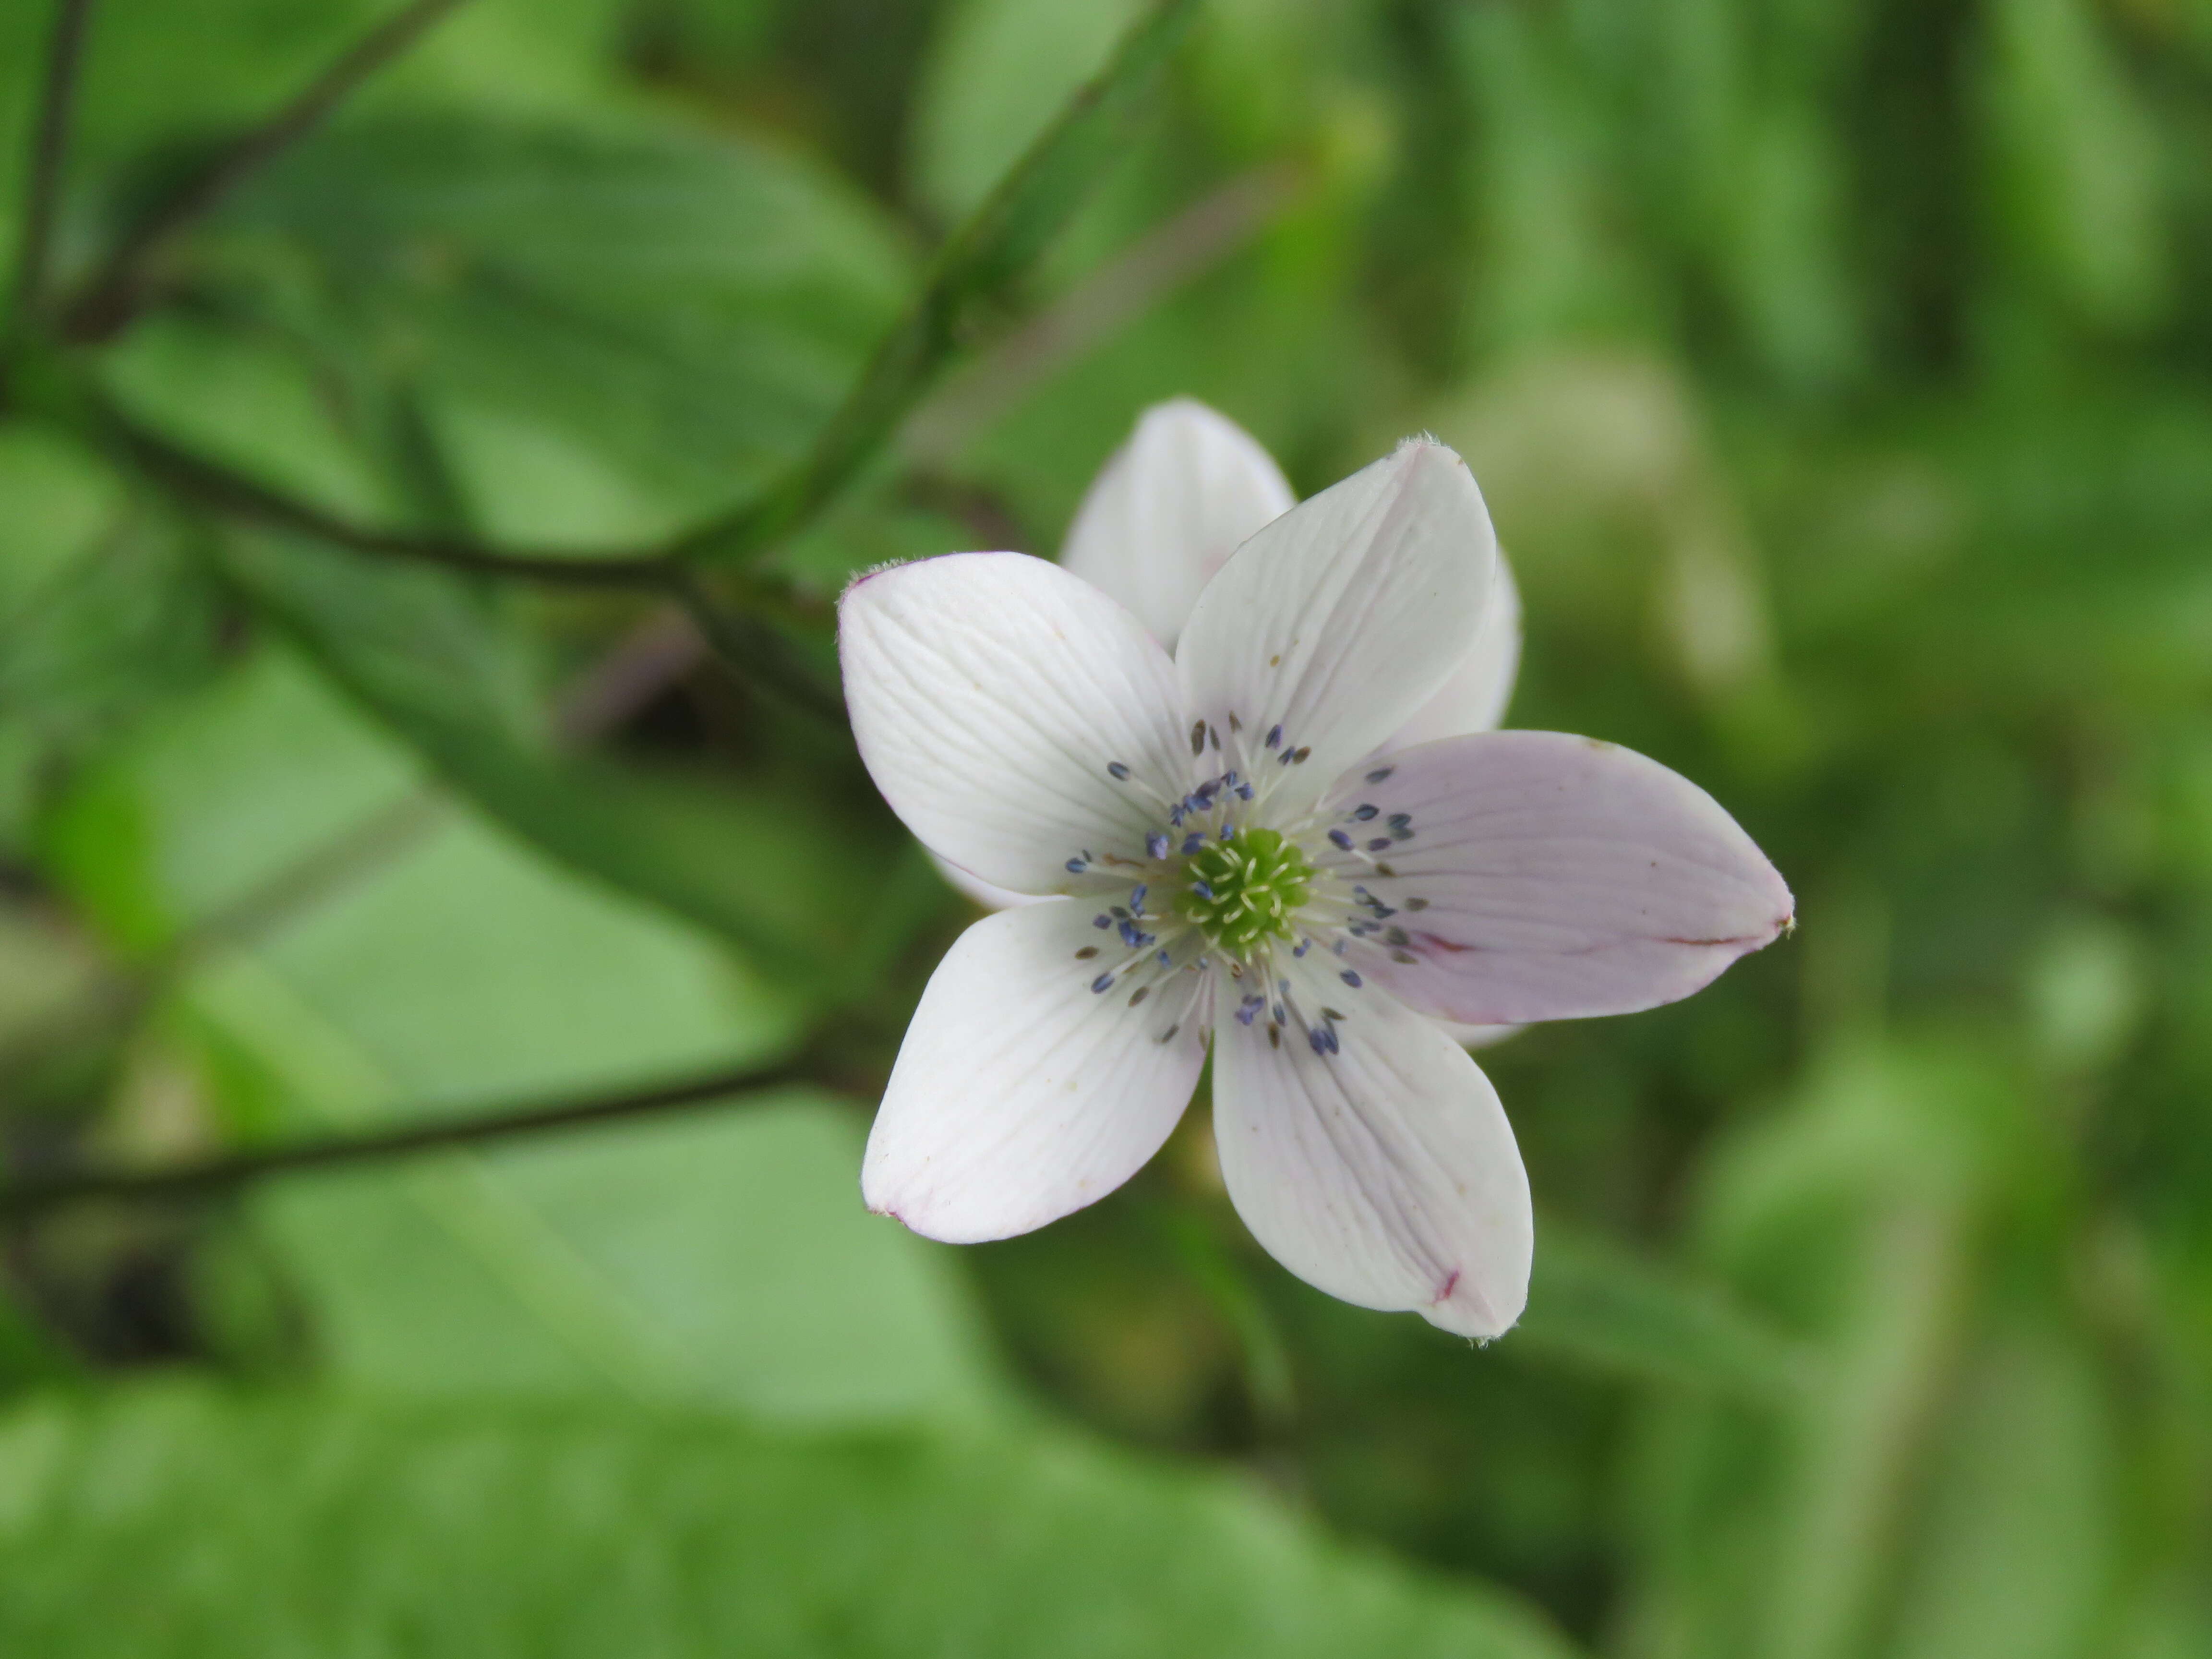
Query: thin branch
{"type": "Point", "coordinates": [112, 295]}
{"type": "Point", "coordinates": [49, 155]}
{"type": "Point", "coordinates": [216, 486]}
{"type": "Point", "coordinates": [753, 646]}
{"type": "Point", "coordinates": [748, 644]}
{"type": "Point", "coordinates": [979, 265]}
{"type": "Point", "coordinates": [26, 1199]}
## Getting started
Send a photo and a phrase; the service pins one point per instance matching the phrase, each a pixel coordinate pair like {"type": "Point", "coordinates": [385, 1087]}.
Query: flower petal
{"type": "Point", "coordinates": [1338, 621]}
{"type": "Point", "coordinates": [1474, 698]}
{"type": "Point", "coordinates": [1021, 1094]}
{"type": "Point", "coordinates": [1169, 508]}
{"type": "Point", "coordinates": [1384, 1173]}
{"type": "Point", "coordinates": [990, 694]}
{"type": "Point", "coordinates": [982, 892]}
{"type": "Point", "coordinates": [1546, 877]}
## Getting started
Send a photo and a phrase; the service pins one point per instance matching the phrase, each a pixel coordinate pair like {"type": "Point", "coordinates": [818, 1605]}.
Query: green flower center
{"type": "Point", "coordinates": [1244, 890]}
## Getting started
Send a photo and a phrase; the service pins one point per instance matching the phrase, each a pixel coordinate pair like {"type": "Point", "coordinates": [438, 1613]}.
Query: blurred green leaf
{"type": "Point", "coordinates": [183, 1523]}
{"type": "Point", "coordinates": [1598, 1303]}
{"type": "Point", "coordinates": [446, 968]}
{"type": "Point", "coordinates": [720, 1260]}
{"type": "Point", "coordinates": [2014, 1550]}
{"type": "Point", "coordinates": [673, 312]}
{"type": "Point", "coordinates": [809, 886]}
{"type": "Point", "coordinates": [105, 608]}
{"type": "Point", "coordinates": [998, 71]}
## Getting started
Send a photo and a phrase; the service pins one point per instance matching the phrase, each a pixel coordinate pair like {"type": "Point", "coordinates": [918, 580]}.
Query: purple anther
{"type": "Point", "coordinates": [1101, 921]}
{"type": "Point", "coordinates": [1137, 898]}
{"type": "Point", "coordinates": [1380, 773]}
{"type": "Point", "coordinates": [1104, 981]}
{"type": "Point", "coordinates": [1117, 771]}
{"type": "Point", "coordinates": [1364, 810]}
{"type": "Point", "coordinates": [1076, 866]}
{"type": "Point", "coordinates": [1193, 842]}
{"type": "Point", "coordinates": [1156, 845]}
{"type": "Point", "coordinates": [1350, 978]}
{"type": "Point", "coordinates": [1274, 736]}
{"type": "Point", "coordinates": [1380, 844]}
{"type": "Point", "coordinates": [1340, 840]}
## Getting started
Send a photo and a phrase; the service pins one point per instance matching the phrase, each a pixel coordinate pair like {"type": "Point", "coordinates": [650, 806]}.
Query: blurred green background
{"type": "Point", "coordinates": [1840, 377]}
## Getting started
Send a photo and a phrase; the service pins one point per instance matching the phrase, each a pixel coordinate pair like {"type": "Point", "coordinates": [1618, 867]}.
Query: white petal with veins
{"type": "Point", "coordinates": [1385, 1173]}
{"type": "Point", "coordinates": [1020, 1093]}
{"type": "Point", "coordinates": [992, 696]}
{"type": "Point", "coordinates": [1474, 698]}
{"type": "Point", "coordinates": [1332, 626]}
{"type": "Point", "coordinates": [1167, 509]}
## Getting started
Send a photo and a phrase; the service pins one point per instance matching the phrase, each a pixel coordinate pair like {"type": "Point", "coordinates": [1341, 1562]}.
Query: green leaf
{"type": "Point", "coordinates": [791, 877]}
{"type": "Point", "coordinates": [104, 610]}
{"type": "Point", "coordinates": [610, 329]}
{"type": "Point", "coordinates": [2015, 1547]}
{"type": "Point", "coordinates": [180, 1522]}
{"type": "Point", "coordinates": [1596, 1303]}
{"type": "Point", "coordinates": [998, 72]}
{"type": "Point", "coordinates": [439, 967]}
{"type": "Point", "coordinates": [720, 1259]}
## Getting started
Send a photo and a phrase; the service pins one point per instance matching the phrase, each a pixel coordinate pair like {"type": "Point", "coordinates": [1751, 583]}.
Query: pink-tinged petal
{"type": "Point", "coordinates": [1474, 698]}
{"type": "Point", "coordinates": [1384, 1173]}
{"type": "Point", "coordinates": [1014, 716]}
{"type": "Point", "coordinates": [1330, 628]}
{"type": "Point", "coordinates": [1020, 1093]}
{"type": "Point", "coordinates": [1546, 877]}
{"type": "Point", "coordinates": [1167, 509]}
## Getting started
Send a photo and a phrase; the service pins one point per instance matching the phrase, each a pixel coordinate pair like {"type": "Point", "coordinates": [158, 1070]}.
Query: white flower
{"type": "Point", "coordinates": [1228, 860]}
{"type": "Point", "coordinates": [1164, 513]}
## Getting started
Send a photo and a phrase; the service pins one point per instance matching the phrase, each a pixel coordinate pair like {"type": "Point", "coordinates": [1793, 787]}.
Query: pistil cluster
{"type": "Point", "coordinates": [1223, 883]}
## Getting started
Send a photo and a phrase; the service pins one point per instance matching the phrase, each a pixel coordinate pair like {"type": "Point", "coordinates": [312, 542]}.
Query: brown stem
{"type": "Point", "coordinates": [49, 155]}
{"type": "Point", "coordinates": [26, 1199]}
